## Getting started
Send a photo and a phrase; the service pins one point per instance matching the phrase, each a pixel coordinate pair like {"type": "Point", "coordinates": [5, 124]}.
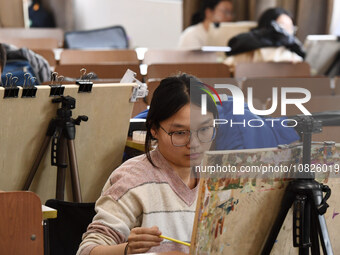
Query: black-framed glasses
{"type": "Point", "coordinates": [182, 137]}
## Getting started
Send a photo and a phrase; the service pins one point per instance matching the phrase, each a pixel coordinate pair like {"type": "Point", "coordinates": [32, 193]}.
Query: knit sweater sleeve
{"type": "Point", "coordinates": [118, 211]}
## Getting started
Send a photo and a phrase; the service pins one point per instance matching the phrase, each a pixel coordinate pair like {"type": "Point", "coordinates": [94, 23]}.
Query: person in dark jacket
{"type": "Point", "coordinates": [2, 59]}
{"type": "Point", "coordinates": [272, 40]}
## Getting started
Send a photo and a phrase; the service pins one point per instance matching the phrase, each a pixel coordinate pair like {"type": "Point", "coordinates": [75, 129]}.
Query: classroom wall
{"type": "Point", "coordinates": [12, 13]}
{"type": "Point", "coordinates": [335, 22]}
{"type": "Point", "coordinates": [149, 23]}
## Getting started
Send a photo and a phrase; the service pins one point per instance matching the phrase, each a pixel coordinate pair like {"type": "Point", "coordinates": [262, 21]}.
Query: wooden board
{"type": "Point", "coordinates": [99, 142]}
{"type": "Point", "coordinates": [235, 214]}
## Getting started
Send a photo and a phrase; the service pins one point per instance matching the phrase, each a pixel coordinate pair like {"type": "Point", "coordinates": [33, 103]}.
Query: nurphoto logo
{"type": "Point", "coordinates": [239, 99]}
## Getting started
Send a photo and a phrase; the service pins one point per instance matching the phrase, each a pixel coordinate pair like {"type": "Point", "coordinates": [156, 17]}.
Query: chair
{"type": "Point", "coordinates": [139, 106]}
{"type": "Point", "coordinates": [272, 69]}
{"type": "Point", "coordinates": [48, 54]}
{"type": "Point", "coordinates": [21, 228]}
{"type": "Point", "coordinates": [154, 83]}
{"type": "Point", "coordinates": [105, 38]}
{"type": "Point", "coordinates": [178, 56]}
{"type": "Point", "coordinates": [262, 87]}
{"type": "Point", "coordinates": [32, 43]}
{"type": "Point", "coordinates": [200, 70]}
{"type": "Point", "coordinates": [105, 71]}
{"type": "Point", "coordinates": [318, 104]}
{"type": "Point", "coordinates": [321, 104]}
{"type": "Point", "coordinates": [337, 86]}
{"type": "Point", "coordinates": [65, 232]}
{"type": "Point", "coordinates": [98, 57]}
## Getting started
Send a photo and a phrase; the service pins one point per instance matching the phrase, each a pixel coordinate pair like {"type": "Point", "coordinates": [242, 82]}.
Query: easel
{"type": "Point", "coordinates": [62, 130]}
{"type": "Point", "coordinates": [309, 225]}
{"type": "Point", "coordinates": [100, 143]}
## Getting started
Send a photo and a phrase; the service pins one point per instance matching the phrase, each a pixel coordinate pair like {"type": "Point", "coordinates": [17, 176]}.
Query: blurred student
{"type": "Point", "coordinates": [273, 40]}
{"type": "Point", "coordinates": [156, 193]}
{"type": "Point", "coordinates": [212, 11]}
{"type": "Point", "coordinates": [19, 61]}
{"type": "Point", "coordinates": [2, 59]}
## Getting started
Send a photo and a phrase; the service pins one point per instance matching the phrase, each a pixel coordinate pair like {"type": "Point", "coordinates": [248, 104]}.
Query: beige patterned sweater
{"type": "Point", "coordinates": [139, 195]}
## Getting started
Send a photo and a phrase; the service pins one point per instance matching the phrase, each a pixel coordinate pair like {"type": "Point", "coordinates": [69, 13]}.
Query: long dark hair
{"type": "Point", "coordinates": [271, 15]}
{"type": "Point", "coordinates": [2, 56]}
{"type": "Point", "coordinates": [199, 16]}
{"type": "Point", "coordinates": [170, 96]}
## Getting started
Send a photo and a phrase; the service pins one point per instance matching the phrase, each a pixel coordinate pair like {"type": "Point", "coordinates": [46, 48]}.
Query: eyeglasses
{"type": "Point", "coordinates": [182, 137]}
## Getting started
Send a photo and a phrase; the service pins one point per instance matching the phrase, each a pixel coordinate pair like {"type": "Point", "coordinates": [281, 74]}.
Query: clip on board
{"type": "Point", "coordinates": [11, 89]}
{"type": "Point", "coordinates": [28, 89]}
{"type": "Point", "coordinates": [56, 88]}
{"type": "Point", "coordinates": [139, 91]}
{"type": "Point", "coordinates": [85, 83]}
{"type": "Point", "coordinates": [11, 92]}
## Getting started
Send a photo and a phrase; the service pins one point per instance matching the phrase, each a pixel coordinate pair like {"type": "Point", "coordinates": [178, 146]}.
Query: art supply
{"type": "Point", "coordinates": [174, 240]}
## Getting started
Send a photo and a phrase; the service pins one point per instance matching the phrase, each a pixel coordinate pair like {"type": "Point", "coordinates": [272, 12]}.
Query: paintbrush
{"type": "Point", "coordinates": [174, 240]}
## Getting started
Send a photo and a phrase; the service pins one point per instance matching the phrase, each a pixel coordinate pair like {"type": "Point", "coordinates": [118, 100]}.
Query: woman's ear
{"type": "Point", "coordinates": [154, 132]}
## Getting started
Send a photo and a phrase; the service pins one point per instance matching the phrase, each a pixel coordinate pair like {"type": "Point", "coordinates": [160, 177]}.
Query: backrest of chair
{"type": "Point", "coordinates": [98, 56]}
{"type": "Point", "coordinates": [337, 86]}
{"type": "Point", "coordinates": [65, 232]}
{"type": "Point", "coordinates": [48, 54]}
{"type": "Point", "coordinates": [200, 70]}
{"type": "Point", "coordinates": [32, 43]}
{"type": "Point", "coordinates": [317, 104]}
{"type": "Point", "coordinates": [106, 38]}
{"type": "Point", "coordinates": [152, 86]}
{"type": "Point", "coordinates": [105, 71]}
{"type": "Point", "coordinates": [56, 33]}
{"type": "Point", "coordinates": [330, 133]}
{"type": "Point", "coordinates": [272, 69]}
{"type": "Point", "coordinates": [21, 228]}
{"type": "Point", "coordinates": [157, 56]}
{"type": "Point", "coordinates": [322, 104]}
{"type": "Point", "coordinates": [263, 87]}
{"type": "Point", "coordinates": [139, 106]}
{"type": "Point", "coordinates": [154, 83]}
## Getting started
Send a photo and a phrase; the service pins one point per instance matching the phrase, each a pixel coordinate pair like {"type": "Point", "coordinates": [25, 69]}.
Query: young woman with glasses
{"type": "Point", "coordinates": [156, 193]}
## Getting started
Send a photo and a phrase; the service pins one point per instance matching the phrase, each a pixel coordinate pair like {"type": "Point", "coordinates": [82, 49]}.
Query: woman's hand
{"type": "Point", "coordinates": [142, 239]}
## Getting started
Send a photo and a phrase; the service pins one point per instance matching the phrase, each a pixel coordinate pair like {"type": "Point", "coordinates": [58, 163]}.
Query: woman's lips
{"type": "Point", "coordinates": [195, 155]}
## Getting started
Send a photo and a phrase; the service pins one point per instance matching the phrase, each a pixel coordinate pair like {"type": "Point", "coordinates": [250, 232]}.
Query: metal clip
{"type": "Point", "coordinates": [28, 88]}
{"type": "Point", "coordinates": [11, 89]}
{"type": "Point", "coordinates": [84, 82]}
{"type": "Point", "coordinates": [56, 88]}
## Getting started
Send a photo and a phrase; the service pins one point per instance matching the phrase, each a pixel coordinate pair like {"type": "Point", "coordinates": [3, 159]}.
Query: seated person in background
{"type": "Point", "coordinates": [20, 61]}
{"type": "Point", "coordinates": [2, 59]}
{"type": "Point", "coordinates": [196, 36]}
{"type": "Point", "coordinates": [272, 40]}
{"type": "Point", "coordinates": [156, 193]}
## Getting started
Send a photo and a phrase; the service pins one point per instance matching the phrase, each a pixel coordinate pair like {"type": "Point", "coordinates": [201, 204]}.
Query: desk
{"type": "Point", "coordinates": [139, 146]}
{"type": "Point", "coordinates": [133, 148]}
{"type": "Point", "coordinates": [48, 212]}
